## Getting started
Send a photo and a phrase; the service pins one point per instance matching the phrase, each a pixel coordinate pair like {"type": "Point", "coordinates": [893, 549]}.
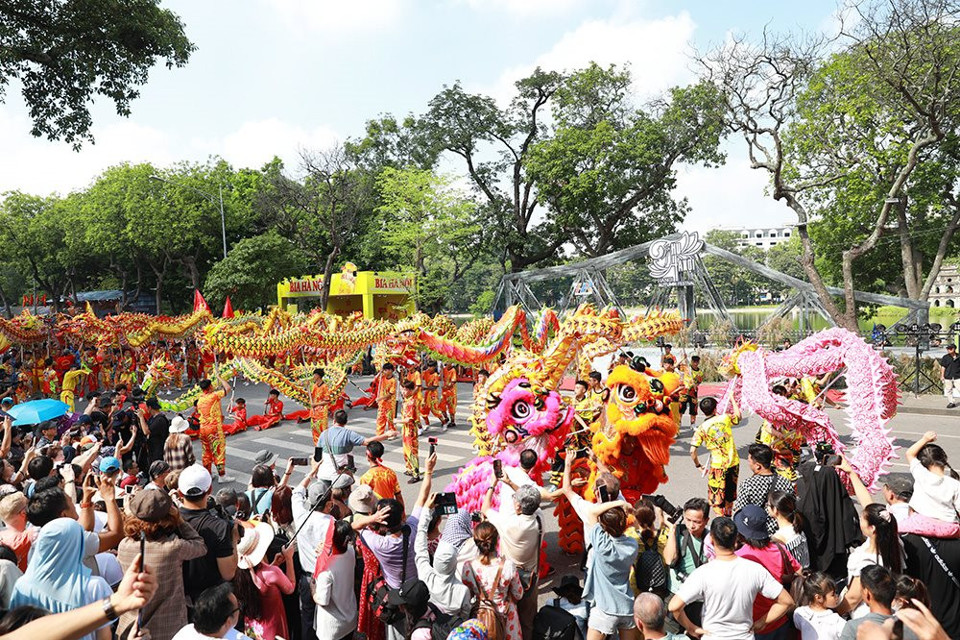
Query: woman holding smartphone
{"type": "Point", "coordinates": [167, 541]}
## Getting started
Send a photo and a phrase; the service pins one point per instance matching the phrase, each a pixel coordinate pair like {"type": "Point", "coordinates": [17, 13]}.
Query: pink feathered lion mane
{"type": "Point", "coordinates": [522, 417]}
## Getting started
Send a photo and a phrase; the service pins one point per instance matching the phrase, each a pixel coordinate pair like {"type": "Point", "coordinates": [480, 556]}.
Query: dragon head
{"type": "Point", "coordinates": [159, 373]}
{"type": "Point", "coordinates": [728, 366]}
{"type": "Point", "coordinates": [526, 416]}
{"type": "Point", "coordinates": [636, 438]}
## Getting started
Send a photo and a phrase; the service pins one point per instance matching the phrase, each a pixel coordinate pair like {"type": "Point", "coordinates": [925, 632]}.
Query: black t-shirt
{"type": "Point", "coordinates": [951, 366]}
{"type": "Point", "coordinates": [944, 592]}
{"type": "Point", "coordinates": [202, 573]}
{"type": "Point", "coordinates": [159, 430]}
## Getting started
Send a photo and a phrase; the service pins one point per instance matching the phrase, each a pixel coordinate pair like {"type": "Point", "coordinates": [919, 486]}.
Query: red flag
{"type": "Point", "coordinates": [227, 309]}
{"type": "Point", "coordinates": [199, 304]}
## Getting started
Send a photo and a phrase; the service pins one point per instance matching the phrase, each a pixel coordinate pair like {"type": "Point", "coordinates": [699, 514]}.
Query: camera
{"type": "Point", "coordinates": [826, 455]}
{"type": "Point", "coordinates": [672, 512]}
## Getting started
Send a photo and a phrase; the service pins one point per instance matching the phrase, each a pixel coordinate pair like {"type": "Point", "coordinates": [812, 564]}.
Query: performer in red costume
{"type": "Point", "coordinates": [273, 413]}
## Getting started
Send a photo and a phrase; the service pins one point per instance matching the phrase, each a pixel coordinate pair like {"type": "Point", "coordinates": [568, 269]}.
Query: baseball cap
{"type": "Point", "coordinates": [194, 481]}
{"type": "Point", "coordinates": [109, 464]}
{"type": "Point", "coordinates": [150, 506]}
{"type": "Point", "coordinates": [951, 347]}
{"type": "Point", "coordinates": [265, 458]}
{"type": "Point", "coordinates": [84, 419]}
{"type": "Point", "coordinates": [751, 522]}
{"type": "Point", "coordinates": [901, 484]}
{"type": "Point", "coordinates": [87, 441]}
{"type": "Point", "coordinates": [7, 401]}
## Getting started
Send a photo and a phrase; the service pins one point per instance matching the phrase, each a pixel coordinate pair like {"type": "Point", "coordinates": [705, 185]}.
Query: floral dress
{"type": "Point", "coordinates": [506, 595]}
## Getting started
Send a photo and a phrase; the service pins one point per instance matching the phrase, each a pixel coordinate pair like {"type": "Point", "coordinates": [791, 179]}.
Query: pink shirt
{"type": "Point", "coordinates": [272, 582]}
{"type": "Point", "coordinates": [769, 558]}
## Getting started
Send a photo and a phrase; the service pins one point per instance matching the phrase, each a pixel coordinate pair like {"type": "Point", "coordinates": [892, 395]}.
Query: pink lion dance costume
{"type": "Point", "coordinates": [872, 394]}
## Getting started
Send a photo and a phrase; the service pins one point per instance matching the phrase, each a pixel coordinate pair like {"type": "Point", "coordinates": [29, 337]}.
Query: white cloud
{"type": "Point", "coordinates": [524, 8]}
{"type": "Point", "coordinates": [39, 166]}
{"type": "Point", "coordinates": [35, 165]}
{"type": "Point", "coordinates": [255, 143]}
{"type": "Point", "coordinates": [656, 50]}
{"type": "Point", "coordinates": [337, 16]}
{"type": "Point", "coordinates": [730, 196]}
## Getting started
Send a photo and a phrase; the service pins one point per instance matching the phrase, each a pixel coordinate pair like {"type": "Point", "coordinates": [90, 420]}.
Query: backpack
{"type": "Point", "coordinates": [380, 591]}
{"type": "Point", "coordinates": [486, 610]}
{"type": "Point", "coordinates": [649, 570]}
{"type": "Point", "coordinates": [555, 623]}
{"type": "Point", "coordinates": [439, 623]}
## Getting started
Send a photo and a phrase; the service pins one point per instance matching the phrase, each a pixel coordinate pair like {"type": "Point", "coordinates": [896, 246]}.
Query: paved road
{"type": "Point", "coordinates": [455, 450]}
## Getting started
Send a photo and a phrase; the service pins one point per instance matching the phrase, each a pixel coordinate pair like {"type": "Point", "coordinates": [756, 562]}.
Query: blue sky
{"type": "Point", "coordinates": [272, 76]}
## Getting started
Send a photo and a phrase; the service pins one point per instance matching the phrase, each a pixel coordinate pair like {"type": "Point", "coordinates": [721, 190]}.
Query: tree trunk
{"type": "Point", "coordinates": [327, 276]}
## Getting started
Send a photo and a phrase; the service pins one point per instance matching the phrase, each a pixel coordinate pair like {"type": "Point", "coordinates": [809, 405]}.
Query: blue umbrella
{"type": "Point", "coordinates": [36, 411]}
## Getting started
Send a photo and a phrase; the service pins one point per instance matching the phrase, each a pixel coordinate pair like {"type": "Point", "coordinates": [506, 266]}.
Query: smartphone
{"type": "Point", "coordinates": [317, 454]}
{"type": "Point", "coordinates": [143, 555]}
{"type": "Point", "coordinates": [433, 445]}
{"type": "Point", "coordinates": [498, 468]}
{"type": "Point", "coordinates": [604, 493]}
{"type": "Point", "coordinates": [129, 489]}
{"type": "Point", "coordinates": [446, 503]}
{"type": "Point", "coordinates": [299, 462]}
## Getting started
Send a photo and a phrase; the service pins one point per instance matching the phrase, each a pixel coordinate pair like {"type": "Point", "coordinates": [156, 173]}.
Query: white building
{"type": "Point", "coordinates": [946, 288]}
{"type": "Point", "coordinates": [763, 237]}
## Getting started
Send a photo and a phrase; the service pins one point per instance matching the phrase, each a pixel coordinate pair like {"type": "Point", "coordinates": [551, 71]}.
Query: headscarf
{"type": "Point", "coordinates": [56, 578]}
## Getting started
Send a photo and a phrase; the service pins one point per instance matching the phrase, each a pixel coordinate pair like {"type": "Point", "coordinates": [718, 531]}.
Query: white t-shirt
{"type": "Point", "coordinates": [858, 559]}
{"type": "Point", "coordinates": [818, 625]}
{"type": "Point", "coordinates": [518, 477]}
{"type": "Point", "coordinates": [189, 633]}
{"type": "Point", "coordinates": [728, 589]}
{"type": "Point", "coordinates": [336, 614]}
{"type": "Point", "coordinates": [934, 496]}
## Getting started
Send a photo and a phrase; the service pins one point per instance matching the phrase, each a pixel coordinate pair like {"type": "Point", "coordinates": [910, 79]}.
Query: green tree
{"type": "Point", "coordinates": [735, 283]}
{"type": "Point", "coordinates": [250, 272]}
{"type": "Point", "coordinates": [31, 233]}
{"type": "Point", "coordinates": [607, 172]}
{"type": "Point", "coordinates": [66, 52]}
{"type": "Point", "coordinates": [844, 132]}
{"type": "Point", "coordinates": [430, 228]}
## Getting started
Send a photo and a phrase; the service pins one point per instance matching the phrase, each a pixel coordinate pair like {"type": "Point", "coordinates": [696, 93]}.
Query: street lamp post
{"type": "Point", "coordinates": [211, 198]}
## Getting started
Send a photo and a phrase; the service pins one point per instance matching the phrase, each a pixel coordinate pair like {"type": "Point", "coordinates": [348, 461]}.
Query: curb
{"type": "Point", "coordinates": [929, 411]}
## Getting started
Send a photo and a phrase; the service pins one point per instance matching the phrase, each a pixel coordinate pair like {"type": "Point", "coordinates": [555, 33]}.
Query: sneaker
{"type": "Point", "coordinates": [226, 479]}
{"type": "Point", "coordinates": [443, 427]}
{"type": "Point", "coordinates": [952, 405]}
{"type": "Point", "coordinates": [414, 480]}
{"type": "Point", "coordinates": [452, 424]}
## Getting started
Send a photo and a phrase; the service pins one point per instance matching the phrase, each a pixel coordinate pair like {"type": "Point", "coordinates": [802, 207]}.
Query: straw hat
{"type": "Point", "coordinates": [253, 545]}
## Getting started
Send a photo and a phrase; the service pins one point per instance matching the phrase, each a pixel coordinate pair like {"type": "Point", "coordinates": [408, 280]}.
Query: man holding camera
{"type": "Point", "coordinates": [686, 547]}
{"type": "Point", "coordinates": [220, 534]}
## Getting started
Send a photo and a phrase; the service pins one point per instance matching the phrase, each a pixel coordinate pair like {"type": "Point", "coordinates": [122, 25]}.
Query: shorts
{"type": "Point", "coordinates": [689, 406]}
{"type": "Point", "coordinates": [722, 487]}
{"type": "Point", "coordinates": [609, 624]}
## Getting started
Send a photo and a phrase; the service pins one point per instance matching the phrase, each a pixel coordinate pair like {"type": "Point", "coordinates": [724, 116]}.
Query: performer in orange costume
{"type": "Point", "coordinates": [319, 405]}
{"type": "Point", "coordinates": [210, 415]}
{"type": "Point", "coordinates": [429, 401]}
{"type": "Point", "coordinates": [448, 395]}
{"type": "Point", "coordinates": [273, 413]}
{"type": "Point", "coordinates": [386, 400]}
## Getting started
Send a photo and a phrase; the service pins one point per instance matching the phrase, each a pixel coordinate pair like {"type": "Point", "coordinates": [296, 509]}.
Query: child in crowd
{"type": "Point", "coordinates": [817, 620]}
{"type": "Point", "coordinates": [936, 491]}
{"type": "Point", "coordinates": [380, 478]}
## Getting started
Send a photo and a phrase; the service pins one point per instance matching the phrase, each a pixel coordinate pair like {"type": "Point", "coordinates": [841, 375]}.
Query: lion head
{"type": "Point", "coordinates": [524, 416]}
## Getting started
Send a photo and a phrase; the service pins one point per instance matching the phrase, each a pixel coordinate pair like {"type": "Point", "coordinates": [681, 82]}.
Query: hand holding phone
{"type": "Point", "coordinates": [604, 493]}
{"type": "Point", "coordinates": [318, 454]}
{"type": "Point", "coordinates": [433, 445]}
{"type": "Point", "coordinates": [299, 462]}
{"type": "Point", "coordinates": [498, 468]}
